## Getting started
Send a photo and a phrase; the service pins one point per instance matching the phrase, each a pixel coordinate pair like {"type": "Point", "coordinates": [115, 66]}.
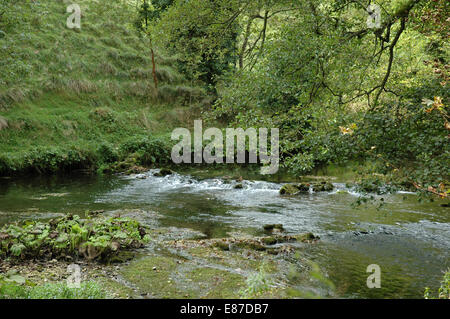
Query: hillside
{"type": "Point", "coordinates": [68, 97]}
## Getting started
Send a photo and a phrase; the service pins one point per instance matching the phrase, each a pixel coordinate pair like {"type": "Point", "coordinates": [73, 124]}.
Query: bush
{"type": "Point", "coordinates": [149, 150]}
{"type": "Point", "coordinates": [107, 153]}
{"type": "Point", "coordinates": [52, 160]}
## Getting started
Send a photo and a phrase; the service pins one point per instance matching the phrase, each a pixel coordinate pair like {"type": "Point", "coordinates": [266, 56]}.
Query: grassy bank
{"type": "Point", "coordinates": [77, 99]}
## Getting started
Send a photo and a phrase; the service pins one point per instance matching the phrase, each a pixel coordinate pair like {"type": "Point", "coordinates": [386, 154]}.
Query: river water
{"type": "Point", "coordinates": [409, 240]}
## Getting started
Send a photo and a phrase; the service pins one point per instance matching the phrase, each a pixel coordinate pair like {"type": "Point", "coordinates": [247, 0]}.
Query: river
{"type": "Point", "coordinates": [409, 240]}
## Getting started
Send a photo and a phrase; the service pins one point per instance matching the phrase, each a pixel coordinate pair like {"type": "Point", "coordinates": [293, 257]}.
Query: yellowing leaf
{"type": "Point", "coordinates": [438, 102]}
{"type": "Point", "coordinates": [346, 130]}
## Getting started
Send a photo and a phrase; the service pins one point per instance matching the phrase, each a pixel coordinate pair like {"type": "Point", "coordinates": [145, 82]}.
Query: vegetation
{"type": "Point", "coordinates": [93, 238]}
{"type": "Point", "coordinates": [79, 99]}
{"type": "Point", "coordinates": [85, 94]}
{"type": "Point", "coordinates": [443, 292]}
{"type": "Point", "coordinates": [87, 290]}
{"type": "Point", "coordinates": [106, 97]}
{"type": "Point", "coordinates": [256, 284]}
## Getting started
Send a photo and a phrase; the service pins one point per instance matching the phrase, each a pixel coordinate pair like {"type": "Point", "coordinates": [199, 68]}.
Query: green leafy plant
{"type": "Point", "coordinates": [92, 238]}
{"type": "Point", "coordinates": [443, 291]}
{"type": "Point", "coordinates": [256, 284]}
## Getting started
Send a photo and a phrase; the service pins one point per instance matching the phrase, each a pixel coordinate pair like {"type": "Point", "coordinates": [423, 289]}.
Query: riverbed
{"type": "Point", "coordinates": [408, 239]}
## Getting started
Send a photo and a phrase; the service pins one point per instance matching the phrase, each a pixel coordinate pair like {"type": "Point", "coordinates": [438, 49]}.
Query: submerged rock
{"type": "Point", "coordinates": [293, 189]}
{"type": "Point", "coordinates": [164, 172]}
{"type": "Point", "coordinates": [273, 227]}
{"type": "Point", "coordinates": [136, 169]}
{"type": "Point", "coordinates": [269, 241]}
{"type": "Point", "coordinates": [322, 187]}
{"type": "Point", "coordinates": [250, 245]}
{"type": "Point", "coordinates": [222, 245]}
{"type": "Point", "coordinates": [308, 237]}
{"type": "Point", "coordinates": [238, 186]}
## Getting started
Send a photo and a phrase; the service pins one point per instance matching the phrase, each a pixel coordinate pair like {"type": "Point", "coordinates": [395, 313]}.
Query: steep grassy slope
{"type": "Point", "coordinates": [76, 99]}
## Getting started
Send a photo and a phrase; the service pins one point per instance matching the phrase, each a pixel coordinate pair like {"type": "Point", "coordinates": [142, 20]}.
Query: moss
{"type": "Point", "coordinates": [232, 259]}
{"type": "Point", "coordinates": [250, 245]}
{"type": "Point", "coordinates": [166, 277]}
{"type": "Point", "coordinates": [269, 241]}
{"type": "Point", "coordinates": [221, 245]}
{"type": "Point", "coordinates": [308, 237]}
{"type": "Point", "coordinates": [289, 189]}
{"type": "Point", "coordinates": [322, 187]}
{"type": "Point", "coordinates": [116, 289]}
{"type": "Point", "coordinates": [273, 227]}
{"type": "Point", "coordinates": [273, 251]}
{"type": "Point", "coordinates": [294, 189]}
{"type": "Point", "coordinates": [152, 275]}
{"type": "Point", "coordinates": [121, 257]}
{"type": "Point", "coordinates": [216, 284]}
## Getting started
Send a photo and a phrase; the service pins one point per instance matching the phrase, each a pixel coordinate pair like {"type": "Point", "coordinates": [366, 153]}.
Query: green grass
{"type": "Point", "coordinates": [87, 290]}
{"type": "Point", "coordinates": [63, 92]}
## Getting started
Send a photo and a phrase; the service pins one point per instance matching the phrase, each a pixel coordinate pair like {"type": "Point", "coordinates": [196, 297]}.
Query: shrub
{"type": "Point", "coordinates": [107, 153]}
{"type": "Point", "coordinates": [149, 150]}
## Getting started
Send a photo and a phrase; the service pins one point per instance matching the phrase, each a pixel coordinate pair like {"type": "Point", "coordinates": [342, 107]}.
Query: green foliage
{"type": "Point", "coordinates": [256, 284]}
{"type": "Point", "coordinates": [443, 291]}
{"type": "Point", "coordinates": [194, 32]}
{"type": "Point", "coordinates": [149, 11]}
{"type": "Point", "coordinates": [108, 154]}
{"type": "Point", "coordinates": [148, 150]}
{"type": "Point", "coordinates": [96, 238]}
{"type": "Point", "coordinates": [317, 83]}
{"type": "Point", "coordinates": [87, 290]}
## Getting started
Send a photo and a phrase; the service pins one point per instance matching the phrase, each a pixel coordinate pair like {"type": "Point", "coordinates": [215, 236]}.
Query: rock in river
{"type": "Point", "coordinates": [293, 189]}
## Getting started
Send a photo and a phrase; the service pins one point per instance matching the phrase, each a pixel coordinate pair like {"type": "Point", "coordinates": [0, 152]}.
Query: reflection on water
{"type": "Point", "coordinates": [408, 239]}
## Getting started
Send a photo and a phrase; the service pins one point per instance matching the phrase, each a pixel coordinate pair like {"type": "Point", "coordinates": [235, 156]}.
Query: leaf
{"type": "Point", "coordinates": [17, 249]}
{"type": "Point", "coordinates": [16, 278]}
{"type": "Point", "coordinates": [437, 103]}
